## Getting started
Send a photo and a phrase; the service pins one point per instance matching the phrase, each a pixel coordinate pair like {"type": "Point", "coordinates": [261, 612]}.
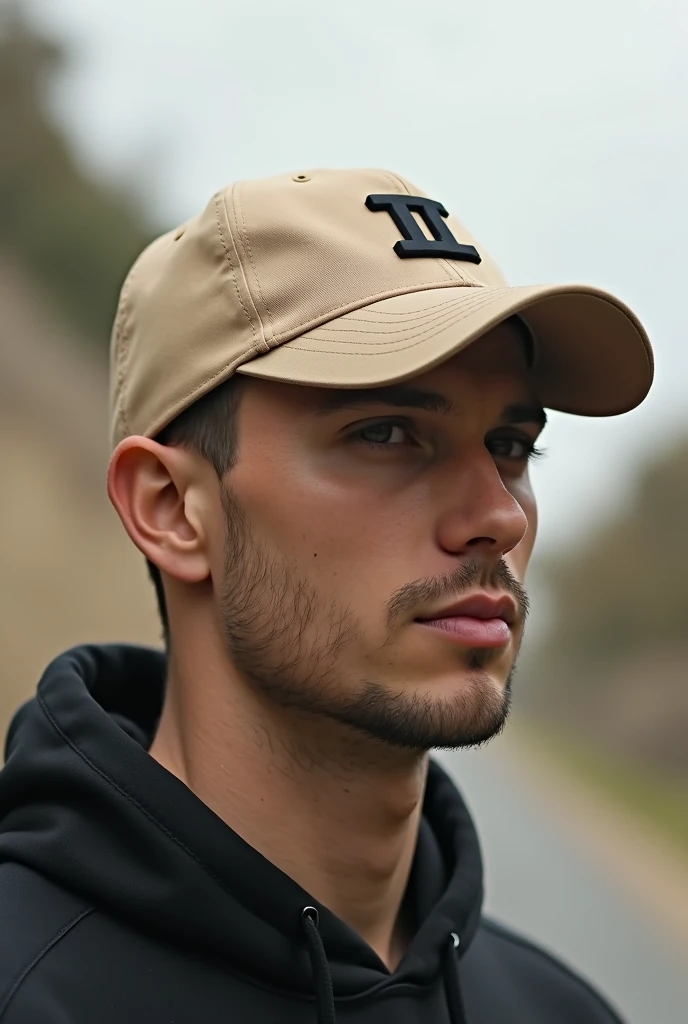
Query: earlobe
{"type": "Point", "coordinates": [149, 486]}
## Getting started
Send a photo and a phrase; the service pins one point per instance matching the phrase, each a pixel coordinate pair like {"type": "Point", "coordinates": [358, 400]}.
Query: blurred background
{"type": "Point", "coordinates": [557, 133]}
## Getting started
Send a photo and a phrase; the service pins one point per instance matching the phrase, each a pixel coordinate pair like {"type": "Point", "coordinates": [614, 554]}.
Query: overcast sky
{"type": "Point", "coordinates": [555, 132]}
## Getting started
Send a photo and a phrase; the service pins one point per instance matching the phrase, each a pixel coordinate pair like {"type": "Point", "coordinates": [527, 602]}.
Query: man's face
{"type": "Point", "coordinates": [349, 520]}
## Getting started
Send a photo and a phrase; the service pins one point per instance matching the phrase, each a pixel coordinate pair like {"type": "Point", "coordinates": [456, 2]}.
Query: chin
{"type": "Point", "coordinates": [477, 668]}
{"type": "Point", "coordinates": [472, 711]}
{"type": "Point", "coordinates": [462, 710]}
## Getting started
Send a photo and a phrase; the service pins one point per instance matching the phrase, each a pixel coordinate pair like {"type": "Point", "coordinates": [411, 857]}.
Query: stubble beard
{"type": "Point", "coordinates": [289, 641]}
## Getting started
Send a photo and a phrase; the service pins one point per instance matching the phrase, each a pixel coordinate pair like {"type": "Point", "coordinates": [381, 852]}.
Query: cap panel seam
{"type": "Point", "coordinates": [236, 200]}
{"type": "Point", "coordinates": [256, 343]}
{"type": "Point", "coordinates": [397, 182]}
{"type": "Point", "coordinates": [455, 272]}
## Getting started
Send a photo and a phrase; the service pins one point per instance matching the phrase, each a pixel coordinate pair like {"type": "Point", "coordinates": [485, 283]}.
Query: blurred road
{"type": "Point", "coordinates": [551, 884]}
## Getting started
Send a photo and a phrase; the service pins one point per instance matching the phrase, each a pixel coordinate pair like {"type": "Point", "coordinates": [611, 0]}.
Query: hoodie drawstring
{"type": "Point", "coordinates": [452, 988]}
{"type": "Point", "coordinates": [324, 995]}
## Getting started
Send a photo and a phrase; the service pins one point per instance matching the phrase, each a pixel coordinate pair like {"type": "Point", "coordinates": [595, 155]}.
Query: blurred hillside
{"type": "Point", "coordinates": [68, 573]}
{"type": "Point", "coordinates": [611, 673]}
{"type": "Point", "coordinates": [75, 236]}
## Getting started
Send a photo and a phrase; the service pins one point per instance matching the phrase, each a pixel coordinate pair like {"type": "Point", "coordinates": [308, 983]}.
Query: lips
{"type": "Point", "coordinates": [478, 606]}
{"type": "Point", "coordinates": [480, 620]}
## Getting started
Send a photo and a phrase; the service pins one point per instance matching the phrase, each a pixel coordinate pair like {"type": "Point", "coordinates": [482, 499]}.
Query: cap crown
{"type": "Point", "coordinates": [264, 262]}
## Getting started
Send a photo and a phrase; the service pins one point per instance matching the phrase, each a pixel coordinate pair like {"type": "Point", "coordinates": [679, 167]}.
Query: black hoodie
{"type": "Point", "coordinates": [123, 898]}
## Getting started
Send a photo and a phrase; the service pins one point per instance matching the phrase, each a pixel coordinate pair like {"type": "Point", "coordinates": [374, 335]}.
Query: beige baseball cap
{"type": "Point", "coordinates": [346, 278]}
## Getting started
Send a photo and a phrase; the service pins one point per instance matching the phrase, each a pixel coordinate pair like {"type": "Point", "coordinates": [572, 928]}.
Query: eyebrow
{"type": "Point", "coordinates": [396, 395]}
{"type": "Point", "coordinates": [403, 397]}
{"type": "Point", "coordinates": [525, 412]}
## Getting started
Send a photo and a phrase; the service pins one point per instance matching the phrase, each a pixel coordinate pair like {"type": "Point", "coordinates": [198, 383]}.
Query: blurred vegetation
{"type": "Point", "coordinates": [626, 593]}
{"type": "Point", "coordinates": [610, 676]}
{"type": "Point", "coordinates": [75, 236]}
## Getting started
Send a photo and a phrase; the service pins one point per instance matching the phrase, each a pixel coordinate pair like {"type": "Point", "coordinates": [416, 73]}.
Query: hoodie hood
{"type": "Point", "coordinates": [83, 804]}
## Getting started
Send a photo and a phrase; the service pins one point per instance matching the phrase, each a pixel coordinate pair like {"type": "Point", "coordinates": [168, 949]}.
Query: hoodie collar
{"type": "Point", "coordinates": [83, 803]}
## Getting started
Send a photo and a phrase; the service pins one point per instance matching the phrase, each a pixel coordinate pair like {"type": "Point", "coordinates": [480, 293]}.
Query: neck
{"type": "Point", "coordinates": [337, 812]}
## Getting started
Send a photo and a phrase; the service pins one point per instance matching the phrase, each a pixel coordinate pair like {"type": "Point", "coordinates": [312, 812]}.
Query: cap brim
{"type": "Point", "coordinates": [592, 355]}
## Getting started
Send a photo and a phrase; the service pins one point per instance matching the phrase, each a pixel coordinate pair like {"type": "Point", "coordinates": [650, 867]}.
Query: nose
{"type": "Point", "coordinates": [480, 516]}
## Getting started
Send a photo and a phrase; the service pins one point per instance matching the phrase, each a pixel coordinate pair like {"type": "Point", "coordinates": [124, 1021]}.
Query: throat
{"type": "Point", "coordinates": [402, 935]}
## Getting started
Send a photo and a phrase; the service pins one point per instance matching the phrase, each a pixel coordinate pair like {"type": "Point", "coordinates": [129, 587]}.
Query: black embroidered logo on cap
{"type": "Point", "coordinates": [400, 209]}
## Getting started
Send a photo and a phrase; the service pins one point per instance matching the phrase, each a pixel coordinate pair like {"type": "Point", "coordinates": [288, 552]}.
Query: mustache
{"type": "Point", "coordinates": [466, 577]}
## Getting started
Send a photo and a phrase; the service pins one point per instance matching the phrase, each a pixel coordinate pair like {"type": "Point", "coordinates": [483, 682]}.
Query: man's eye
{"type": "Point", "coordinates": [513, 448]}
{"type": "Point", "coordinates": [385, 434]}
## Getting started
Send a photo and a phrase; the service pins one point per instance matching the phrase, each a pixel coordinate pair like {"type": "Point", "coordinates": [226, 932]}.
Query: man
{"type": "Point", "coordinates": [324, 403]}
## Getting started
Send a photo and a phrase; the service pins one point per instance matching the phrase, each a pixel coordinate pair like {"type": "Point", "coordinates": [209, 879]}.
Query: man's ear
{"type": "Point", "coordinates": [157, 492]}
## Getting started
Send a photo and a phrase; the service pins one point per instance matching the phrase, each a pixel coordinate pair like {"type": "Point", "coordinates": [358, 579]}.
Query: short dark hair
{"type": "Point", "coordinates": [209, 427]}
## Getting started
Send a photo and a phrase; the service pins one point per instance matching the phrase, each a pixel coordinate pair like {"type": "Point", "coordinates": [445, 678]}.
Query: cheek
{"type": "Point", "coordinates": [323, 524]}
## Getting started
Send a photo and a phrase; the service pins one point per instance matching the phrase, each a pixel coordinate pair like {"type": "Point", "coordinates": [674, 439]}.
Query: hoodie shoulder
{"type": "Point", "coordinates": [35, 915]}
{"type": "Point", "coordinates": [529, 975]}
